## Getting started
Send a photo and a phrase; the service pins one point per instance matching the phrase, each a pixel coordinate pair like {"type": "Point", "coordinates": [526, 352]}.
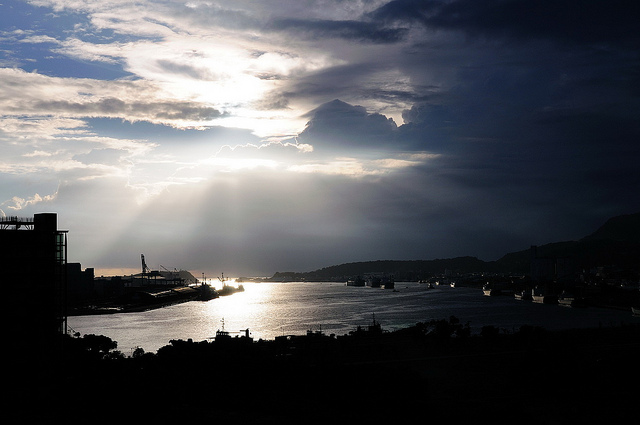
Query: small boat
{"type": "Point", "coordinates": [566, 299]}
{"type": "Point", "coordinates": [523, 296]}
{"type": "Point", "coordinates": [358, 281]}
{"type": "Point", "coordinates": [374, 282]}
{"type": "Point", "coordinates": [490, 291]}
{"type": "Point", "coordinates": [388, 282]}
{"type": "Point", "coordinates": [635, 311]}
{"type": "Point", "coordinates": [544, 299]}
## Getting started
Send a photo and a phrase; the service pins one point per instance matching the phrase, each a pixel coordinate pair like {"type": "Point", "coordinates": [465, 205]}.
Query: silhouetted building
{"type": "Point", "coordinates": [111, 286]}
{"type": "Point", "coordinates": [80, 284]}
{"type": "Point", "coordinates": [33, 276]}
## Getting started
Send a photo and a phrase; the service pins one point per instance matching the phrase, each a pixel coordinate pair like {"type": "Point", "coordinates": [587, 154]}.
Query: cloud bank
{"type": "Point", "coordinates": [254, 137]}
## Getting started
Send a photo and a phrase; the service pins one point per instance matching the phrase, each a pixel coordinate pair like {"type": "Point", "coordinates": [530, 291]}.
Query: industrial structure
{"type": "Point", "coordinates": [33, 262]}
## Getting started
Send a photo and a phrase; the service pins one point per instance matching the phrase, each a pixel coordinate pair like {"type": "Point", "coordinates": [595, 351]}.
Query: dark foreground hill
{"type": "Point", "coordinates": [616, 243]}
{"type": "Point", "coordinates": [429, 373]}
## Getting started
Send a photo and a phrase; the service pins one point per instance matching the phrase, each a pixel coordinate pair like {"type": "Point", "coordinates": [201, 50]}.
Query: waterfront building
{"type": "Point", "coordinates": [34, 279]}
{"type": "Point", "coordinates": [80, 284]}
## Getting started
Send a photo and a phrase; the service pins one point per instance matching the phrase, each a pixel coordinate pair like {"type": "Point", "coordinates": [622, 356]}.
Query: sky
{"type": "Point", "coordinates": [249, 137]}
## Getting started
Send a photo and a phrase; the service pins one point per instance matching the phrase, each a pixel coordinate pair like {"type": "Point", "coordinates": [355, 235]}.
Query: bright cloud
{"type": "Point", "coordinates": [17, 203]}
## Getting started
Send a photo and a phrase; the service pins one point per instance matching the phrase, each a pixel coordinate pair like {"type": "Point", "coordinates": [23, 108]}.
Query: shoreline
{"type": "Point", "coordinates": [154, 298]}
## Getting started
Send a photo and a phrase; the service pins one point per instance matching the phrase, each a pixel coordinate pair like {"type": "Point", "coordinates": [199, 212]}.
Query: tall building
{"type": "Point", "coordinates": [33, 278]}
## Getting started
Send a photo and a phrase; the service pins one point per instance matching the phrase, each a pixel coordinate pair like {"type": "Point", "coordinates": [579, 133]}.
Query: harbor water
{"type": "Point", "coordinates": [272, 309]}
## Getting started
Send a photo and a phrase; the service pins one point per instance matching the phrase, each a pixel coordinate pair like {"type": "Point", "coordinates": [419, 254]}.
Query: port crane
{"type": "Point", "coordinates": [167, 270]}
{"type": "Point", "coordinates": [145, 269]}
{"type": "Point", "coordinates": [173, 272]}
{"type": "Point", "coordinates": [147, 273]}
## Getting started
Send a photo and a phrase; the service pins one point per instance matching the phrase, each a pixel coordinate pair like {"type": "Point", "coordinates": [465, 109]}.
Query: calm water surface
{"type": "Point", "coordinates": [272, 309]}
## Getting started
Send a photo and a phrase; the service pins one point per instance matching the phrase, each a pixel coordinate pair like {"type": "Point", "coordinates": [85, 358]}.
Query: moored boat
{"type": "Point", "coordinates": [358, 281]}
{"type": "Point", "coordinates": [388, 282]}
{"type": "Point", "coordinates": [374, 281]}
{"type": "Point", "coordinates": [542, 297]}
{"type": "Point", "coordinates": [206, 292]}
{"type": "Point", "coordinates": [228, 289]}
{"type": "Point", "coordinates": [523, 295]}
{"type": "Point", "coordinates": [490, 290]}
{"type": "Point", "coordinates": [566, 299]}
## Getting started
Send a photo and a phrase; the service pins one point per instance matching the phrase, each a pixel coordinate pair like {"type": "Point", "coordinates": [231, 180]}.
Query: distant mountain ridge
{"type": "Point", "coordinates": [624, 228]}
{"type": "Point", "coordinates": [617, 242]}
{"type": "Point", "coordinates": [398, 268]}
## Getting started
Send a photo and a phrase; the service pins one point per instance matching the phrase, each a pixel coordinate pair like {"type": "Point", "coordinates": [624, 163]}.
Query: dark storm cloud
{"type": "Point", "coordinates": [329, 82]}
{"type": "Point", "coordinates": [583, 21]}
{"type": "Point", "coordinates": [342, 127]}
{"type": "Point", "coordinates": [351, 30]}
{"type": "Point", "coordinates": [551, 98]}
{"type": "Point", "coordinates": [550, 159]}
{"type": "Point", "coordinates": [535, 122]}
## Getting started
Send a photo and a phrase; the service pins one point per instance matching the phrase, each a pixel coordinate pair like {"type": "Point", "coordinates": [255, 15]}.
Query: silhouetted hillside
{"type": "Point", "coordinates": [401, 270]}
{"type": "Point", "coordinates": [624, 228]}
{"type": "Point", "coordinates": [586, 254]}
{"type": "Point", "coordinates": [616, 243]}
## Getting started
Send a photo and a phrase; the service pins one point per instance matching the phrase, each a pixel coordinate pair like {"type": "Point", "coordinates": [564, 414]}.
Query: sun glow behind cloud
{"type": "Point", "coordinates": [182, 58]}
{"type": "Point", "coordinates": [183, 73]}
{"type": "Point", "coordinates": [306, 126]}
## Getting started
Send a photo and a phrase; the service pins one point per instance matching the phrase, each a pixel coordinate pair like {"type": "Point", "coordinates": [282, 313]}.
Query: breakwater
{"type": "Point", "coordinates": [153, 297]}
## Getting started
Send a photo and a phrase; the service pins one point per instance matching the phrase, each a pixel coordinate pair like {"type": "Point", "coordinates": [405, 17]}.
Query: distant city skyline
{"type": "Point", "coordinates": [254, 137]}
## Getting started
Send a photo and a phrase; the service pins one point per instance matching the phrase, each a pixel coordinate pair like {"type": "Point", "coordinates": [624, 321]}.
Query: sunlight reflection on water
{"type": "Point", "coordinates": [272, 309]}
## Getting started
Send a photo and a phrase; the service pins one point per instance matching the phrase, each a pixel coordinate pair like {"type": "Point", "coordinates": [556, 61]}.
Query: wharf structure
{"type": "Point", "coordinates": [34, 277]}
